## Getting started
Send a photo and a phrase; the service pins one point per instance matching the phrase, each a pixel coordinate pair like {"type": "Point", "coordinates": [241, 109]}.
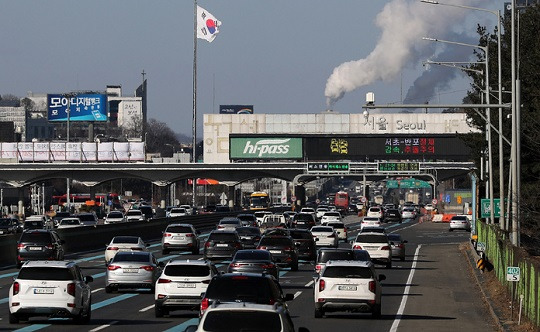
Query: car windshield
{"type": "Point", "coordinates": [4, 222]}
{"type": "Point", "coordinates": [276, 241]}
{"type": "Point", "coordinates": [125, 239]}
{"type": "Point", "coordinates": [36, 237]}
{"type": "Point", "coordinates": [248, 231]}
{"type": "Point", "coordinates": [332, 214]}
{"type": "Point", "coordinates": [69, 222]}
{"type": "Point", "coordinates": [326, 256]}
{"type": "Point", "coordinates": [394, 237]}
{"type": "Point", "coordinates": [301, 235]}
{"type": "Point", "coordinates": [229, 222]}
{"type": "Point", "coordinates": [178, 211]}
{"type": "Point", "coordinates": [115, 215]}
{"type": "Point", "coordinates": [252, 255]}
{"type": "Point", "coordinates": [336, 225]}
{"type": "Point", "coordinates": [222, 237]}
{"type": "Point", "coordinates": [240, 287]}
{"type": "Point", "coordinates": [347, 272]}
{"type": "Point", "coordinates": [139, 257]}
{"type": "Point", "coordinates": [247, 217]}
{"type": "Point", "coordinates": [187, 270]}
{"type": "Point", "coordinates": [372, 238]}
{"type": "Point", "coordinates": [179, 229]}
{"type": "Point", "coordinates": [248, 320]}
{"type": "Point", "coordinates": [45, 273]}
{"type": "Point", "coordinates": [322, 229]}
{"type": "Point", "coordinates": [134, 213]}
{"type": "Point", "coordinates": [86, 217]}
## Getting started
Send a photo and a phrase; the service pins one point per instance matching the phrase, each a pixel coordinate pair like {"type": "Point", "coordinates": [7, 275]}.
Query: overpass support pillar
{"type": "Point", "coordinates": [20, 208]}
{"type": "Point", "coordinates": [300, 194]}
{"type": "Point", "coordinates": [230, 196]}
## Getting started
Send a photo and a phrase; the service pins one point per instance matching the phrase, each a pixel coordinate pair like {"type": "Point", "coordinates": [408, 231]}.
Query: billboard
{"type": "Point", "coordinates": [385, 147]}
{"type": "Point", "coordinates": [235, 109]}
{"type": "Point", "coordinates": [265, 148]}
{"type": "Point", "coordinates": [83, 107]}
{"type": "Point", "coordinates": [130, 112]}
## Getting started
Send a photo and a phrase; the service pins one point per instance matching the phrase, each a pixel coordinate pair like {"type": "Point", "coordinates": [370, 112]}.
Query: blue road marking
{"type": "Point", "coordinates": [33, 327]}
{"type": "Point", "coordinates": [184, 325]}
{"type": "Point", "coordinates": [112, 300]}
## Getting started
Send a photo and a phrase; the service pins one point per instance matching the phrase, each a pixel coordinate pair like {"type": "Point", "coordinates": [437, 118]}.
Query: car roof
{"type": "Point", "coordinates": [184, 225]}
{"type": "Point", "coordinates": [223, 231]}
{"type": "Point", "coordinates": [56, 264]}
{"type": "Point", "coordinates": [348, 263]}
{"type": "Point", "coordinates": [242, 306]}
{"type": "Point", "coordinates": [188, 262]}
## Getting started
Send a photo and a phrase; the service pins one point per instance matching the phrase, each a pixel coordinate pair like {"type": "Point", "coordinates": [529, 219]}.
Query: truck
{"type": "Point", "coordinates": [379, 199]}
{"type": "Point", "coordinates": [412, 197]}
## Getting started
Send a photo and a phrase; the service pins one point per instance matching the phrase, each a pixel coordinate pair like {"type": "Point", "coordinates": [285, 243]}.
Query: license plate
{"type": "Point", "coordinates": [222, 245]}
{"type": "Point", "coordinates": [347, 288]}
{"type": "Point", "coordinates": [34, 248]}
{"type": "Point", "coordinates": [43, 290]}
{"type": "Point", "coordinates": [130, 270]}
{"type": "Point", "coordinates": [185, 285]}
{"type": "Point", "coordinates": [275, 251]}
{"type": "Point", "coordinates": [179, 238]}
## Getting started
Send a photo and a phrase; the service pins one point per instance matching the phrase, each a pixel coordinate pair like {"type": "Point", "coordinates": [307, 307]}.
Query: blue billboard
{"type": "Point", "coordinates": [83, 107]}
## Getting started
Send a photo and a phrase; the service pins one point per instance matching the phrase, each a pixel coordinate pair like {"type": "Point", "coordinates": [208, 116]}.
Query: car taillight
{"type": "Point", "coordinates": [357, 246]}
{"type": "Point", "coordinates": [190, 235]}
{"type": "Point", "coordinates": [261, 247]}
{"type": "Point", "coordinates": [207, 244]}
{"type": "Point", "coordinates": [49, 246]}
{"type": "Point", "coordinates": [204, 305]}
{"type": "Point", "coordinates": [112, 248]}
{"type": "Point", "coordinates": [147, 268]}
{"type": "Point", "coordinates": [372, 286]}
{"type": "Point", "coordinates": [322, 285]}
{"type": "Point", "coordinates": [268, 266]}
{"type": "Point", "coordinates": [234, 265]}
{"type": "Point", "coordinates": [385, 248]}
{"type": "Point", "coordinates": [238, 245]}
{"type": "Point", "coordinates": [113, 267]}
{"type": "Point", "coordinates": [287, 248]}
{"type": "Point", "coordinates": [163, 281]}
{"type": "Point", "coordinates": [318, 268]}
{"type": "Point", "coordinates": [220, 227]}
{"type": "Point", "coordinates": [16, 288]}
{"type": "Point", "coordinates": [20, 246]}
{"type": "Point", "coordinates": [167, 234]}
{"type": "Point", "coordinates": [71, 289]}
{"type": "Point", "coordinates": [136, 248]}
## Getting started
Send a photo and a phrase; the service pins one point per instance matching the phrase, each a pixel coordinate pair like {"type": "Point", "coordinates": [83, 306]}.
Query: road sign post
{"type": "Point", "coordinates": [513, 273]}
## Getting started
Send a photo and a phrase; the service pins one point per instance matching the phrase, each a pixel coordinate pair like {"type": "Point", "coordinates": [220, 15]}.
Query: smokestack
{"type": "Point", "coordinates": [403, 24]}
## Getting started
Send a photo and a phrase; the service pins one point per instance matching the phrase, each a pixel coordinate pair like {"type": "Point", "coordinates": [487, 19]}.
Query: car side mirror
{"type": "Point", "coordinates": [88, 279]}
{"type": "Point", "coordinates": [161, 264]}
{"type": "Point", "coordinates": [404, 241]}
{"type": "Point", "coordinates": [316, 239]}
{"type": "Point", "coordinates": [392, 243]}
{"type": "Point", "coordinates": [289, 297]}
{"type": "Point", "coordinates": [382, 277]}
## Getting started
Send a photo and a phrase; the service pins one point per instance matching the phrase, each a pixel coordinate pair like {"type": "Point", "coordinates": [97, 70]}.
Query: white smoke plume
{"type": "Point", "coordinates": [403, 24]}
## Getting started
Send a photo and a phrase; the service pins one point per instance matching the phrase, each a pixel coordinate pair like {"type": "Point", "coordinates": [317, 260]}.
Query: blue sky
{"type": "Point", "coordinates": [277, 55]}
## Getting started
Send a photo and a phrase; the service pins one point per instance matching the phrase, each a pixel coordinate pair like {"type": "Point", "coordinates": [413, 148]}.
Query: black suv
{"type": "Point", "coordinates": [303, 220]}
{"type": "Point", "coordinates": [282, 249]}
{"type": "Point", "coordinates": [244, 287]}
{"type": "Point", "coordinates": [305, 243]}
{"type": "Point", "coordinates": [10, 226]}
{"type": "Point", "coordinates": [222, 244]}
{"type": "Point", "coordinates": [39, 244]}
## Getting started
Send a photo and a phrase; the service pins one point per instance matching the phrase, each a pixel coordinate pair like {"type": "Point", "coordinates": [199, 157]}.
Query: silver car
{"type": "Point", "coordinates": [180, 237]}
{"type": "Point", "coordinates": [132, 270]}
{"type": "Point", "coordinates": [398, 246]}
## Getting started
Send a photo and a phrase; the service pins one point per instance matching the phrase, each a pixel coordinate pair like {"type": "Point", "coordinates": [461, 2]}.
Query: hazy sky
{"type": "Point", "coordinates": [278, 55]}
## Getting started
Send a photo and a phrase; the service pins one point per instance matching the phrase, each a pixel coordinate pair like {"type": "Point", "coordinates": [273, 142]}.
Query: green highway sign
{"type": "Point", "coordinates": [328, 167]}
{"type": "Point", "coordinates": [398, 167]}
{"type": "Point", "coordinates": [513, 273]}
{"type": "Point", "coordinates": [485, 211]}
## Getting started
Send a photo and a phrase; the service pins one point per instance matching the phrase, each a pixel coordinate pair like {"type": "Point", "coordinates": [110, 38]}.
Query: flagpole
{"type": "Point", "coordinates": [194, 122]}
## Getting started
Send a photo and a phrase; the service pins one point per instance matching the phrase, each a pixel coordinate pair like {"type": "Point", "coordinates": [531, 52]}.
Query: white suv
{"type": "Point", "coordinates": [377, 245]}
{"type": "Point", "coordinates": [50, 289]}
{"type": "Point", "coordinates": [348, 286]}
{"type": "Point", "coordinates": [182, 284]}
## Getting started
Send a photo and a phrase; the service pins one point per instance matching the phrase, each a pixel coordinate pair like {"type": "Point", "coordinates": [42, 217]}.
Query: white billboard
{"type": "Point", "coordinates": [129, 110]}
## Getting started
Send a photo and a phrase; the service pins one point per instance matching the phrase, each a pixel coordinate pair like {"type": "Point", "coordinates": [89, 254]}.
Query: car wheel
{"type": "Point", "coordinates": [109, 289]}
{"type": "Point", "coordinates": [19, 265]}
{"type": "Point", "coordinates": [318, 313]}
{"type": "Point", "coordinates": [13, 319]}
{"type": "Point", "coordinates": [195, 250]}
{"type": "Point", "coordinates": [164, 252]}
{"type": "Point", "coordinates": [160, 312]}
{"type": "Point", "coordinates": [402, 258]}
{"type": "Point", "coordinates": [294, 267]}
{"type": "Point", "coordinates": [450, 229]}
{"type": "Point", "coordinates": [376, 313]}
{"type": "Point", "coordinates": [84, 317]}
{"type": "Point", "coordinates": [389, 265]}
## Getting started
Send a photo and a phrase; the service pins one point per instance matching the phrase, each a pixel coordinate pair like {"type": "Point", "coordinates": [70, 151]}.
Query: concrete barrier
{"type": "Point", "coordinates": [437, 218]}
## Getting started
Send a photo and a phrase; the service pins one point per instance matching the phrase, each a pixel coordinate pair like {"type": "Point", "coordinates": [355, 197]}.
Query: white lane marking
{"type": "Point", "coordinates": [309, 283]}
{"type": "Point", "coordinates": [104, 326]}
{"type": "Point", "coordinates": [147, 308]}
{"type": "Point", "coordinates": [200, 259]}
{"type": "Point", "coordinates": [97, 290]}
{"type": "Point", "coordinates": [297, 294]}
{"type": "Point", "coordinates": [405, 292]}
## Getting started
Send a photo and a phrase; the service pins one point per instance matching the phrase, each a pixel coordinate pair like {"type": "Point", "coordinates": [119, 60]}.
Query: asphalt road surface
{"type": "Point", "coordinates": [431, 290]}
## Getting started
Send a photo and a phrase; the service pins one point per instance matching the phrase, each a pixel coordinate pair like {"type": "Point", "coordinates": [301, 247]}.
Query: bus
{"type": "Point", "coordinates": [77, 200]}
{"type": "Point", "coordinates": [259, 200]}
{"type": "Point", "coordinates": [341, 201]}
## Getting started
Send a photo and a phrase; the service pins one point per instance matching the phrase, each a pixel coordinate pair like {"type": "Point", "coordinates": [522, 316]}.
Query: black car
{"type": "Point", "coordinates": [222, 244]}
{"type": "Point", "coordinates": [10, 226]}
{"type": "Point", "coordinates": [39, 244]}
{"type": "Point", "coordinates": [33, 224]}
{"type": "Point", "coordinates": [244, 287]}
{"type": "Point", "coordinates": [88, 218]}
{"type": "Point", "coordinates": [59, 216]}
{"type": "Point", "coordinates": [147, 211]}
{"type": "Point", "coordinates": [304, 242]}
{"type": "Point", "coordinates": [254, 261]}
{"type": "Point", "coordinates": [250, 236]}
{"type": "Point", "coordinates": [282, 249]}
{"type": "Point", "coordinates": [328, 254]}
{"type": "Point", "coordinates": [392, 215]}
{"type": "Point", "coordinates": [303, 220]}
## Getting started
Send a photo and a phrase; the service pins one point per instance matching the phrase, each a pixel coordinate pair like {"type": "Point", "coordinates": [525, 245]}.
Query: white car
{"type": "Point", "coordinates": [123, 243]}
{"type": "Point", "coordinates": [331, 216]}
{"type": "Point", "coordinates": [188, 208]}
{"type": "Point", "coordinates": [348, 286]}
{"type": "Point", "coordinates": [375, 211]}
{"type": "Point", "coordinates": [177, 212]}
{"type": "Point", "coordinates": [340, 229]}
{"type": "Point", "coordinates": [321, 211]}
{"type": "Point", "coordinates": [408, 212]}
{"type": "Point", "coordinates": [460, 222]}
{"type": "Point", "coordinates": [114, 217]}
{"type": "Point", "coordinates": [326, 236]}
{"type": "Point", "coordinates": [181, 284]}
{"type": "Point", "coordinates": [377, 245]}
{"type": "Point", "coordinates": [70, 223]}
{"type": "Point", "coordinates": [50, 289]}
{"type": "Point", "coordinates": [310, 211]}
{"type": "Point", "coordinates": [135, 215]}
{"type": "Point", "coordinates": [370, 222]}
{"type": "Point", "coordinates": [260, 215]}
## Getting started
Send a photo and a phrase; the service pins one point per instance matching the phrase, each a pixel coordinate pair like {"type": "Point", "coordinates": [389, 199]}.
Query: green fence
{"type": "Point", "coordinates": [502, 254]}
